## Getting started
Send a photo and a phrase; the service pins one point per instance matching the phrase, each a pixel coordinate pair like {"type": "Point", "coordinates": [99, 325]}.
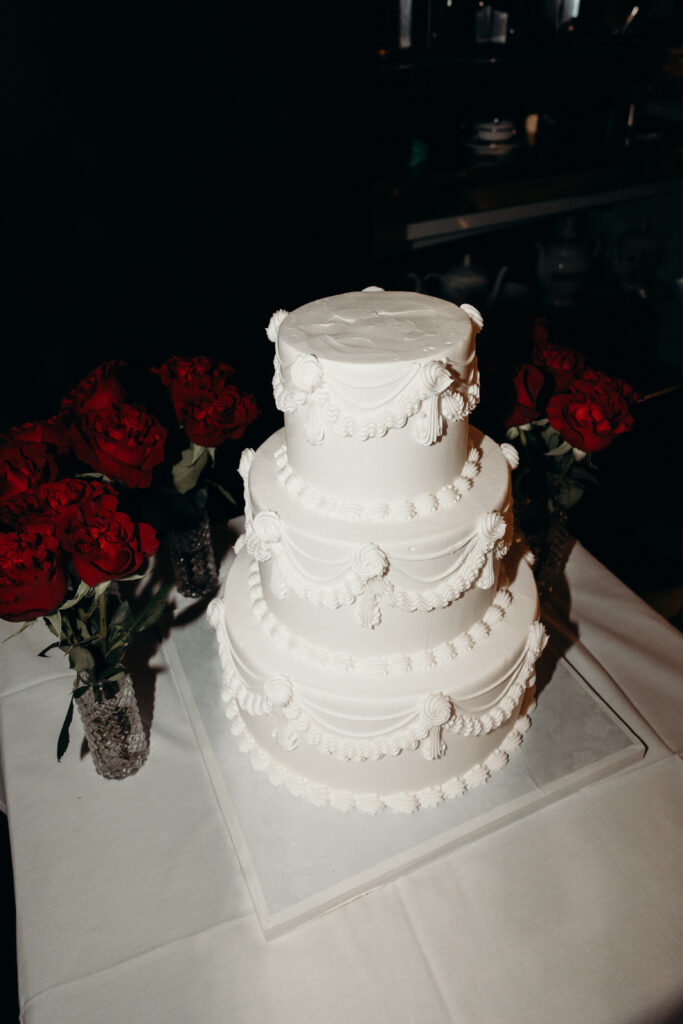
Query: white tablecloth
{"type": "Point", "coordinates": [131, 905]}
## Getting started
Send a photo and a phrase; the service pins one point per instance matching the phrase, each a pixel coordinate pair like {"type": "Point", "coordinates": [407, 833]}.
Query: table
{"type": "Point", "coordinates": [131, 904]}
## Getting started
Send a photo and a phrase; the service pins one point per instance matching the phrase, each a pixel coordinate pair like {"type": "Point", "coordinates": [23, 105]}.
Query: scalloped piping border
{"type": "Point", "coordinates": [405, 802]}
{"type": "Point", "coordinates": [490, 540]}
{"type": "Point", "coordinates": [400, 511]}
{"type": "Point", "coordinates": [434, 714]}
{"type": "Point", "coordinates": [378, 665]}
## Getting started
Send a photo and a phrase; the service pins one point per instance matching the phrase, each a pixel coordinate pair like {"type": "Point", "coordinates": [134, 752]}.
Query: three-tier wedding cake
{"type": "Point", "coordinates": [378, 630]}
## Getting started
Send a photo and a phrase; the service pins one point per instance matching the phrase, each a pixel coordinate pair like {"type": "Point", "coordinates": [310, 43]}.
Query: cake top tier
{"type": "Point", "coordinates": [394, 370]}
{"type": "Point", "coordinates": [376, 327]}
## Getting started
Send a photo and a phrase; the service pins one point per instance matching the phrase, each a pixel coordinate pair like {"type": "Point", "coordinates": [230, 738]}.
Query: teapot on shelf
{"type": "Point", "coordinates": [637, 257]}
{"type": "Point", "coordinates": [462, 282]}
{"type": "Point", "coordinates": [563, 263]}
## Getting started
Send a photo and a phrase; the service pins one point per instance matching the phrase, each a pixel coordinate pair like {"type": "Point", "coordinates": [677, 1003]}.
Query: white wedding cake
{"type": "Point", "coordinates": [378, 631]}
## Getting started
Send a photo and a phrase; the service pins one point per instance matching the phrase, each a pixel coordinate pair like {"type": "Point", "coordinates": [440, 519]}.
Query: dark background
{"type": "Point", "coordinates": [173, 174]}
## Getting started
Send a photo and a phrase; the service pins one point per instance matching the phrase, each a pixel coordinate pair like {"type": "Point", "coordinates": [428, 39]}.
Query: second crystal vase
{"type": "Point", "coordinates": [193, 559]}
{"type": "Point", "coordinates": [552, 549]}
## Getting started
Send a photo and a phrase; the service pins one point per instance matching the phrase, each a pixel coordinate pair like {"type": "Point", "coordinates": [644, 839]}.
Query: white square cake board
{"type": "Point", "coordinates": [300, 861]}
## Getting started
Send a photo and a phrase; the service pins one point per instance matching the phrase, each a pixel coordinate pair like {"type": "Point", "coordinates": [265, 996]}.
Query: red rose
{"type": "Point", "coordinates": [528, 383]}
{"type": "Point", "coordinates": [594, 411]}
{"type": "Point", "coordinates": [564, 363]}
{"type": "Point", "coordinates": [49, 502]}
{"type": "Point", "coordinates": [121, 441]}
{"type": "Point", "coordinates": [100, 389]}
{"type": "Point", "coordinates": [52, 431]}
{"type": "Point", "coordinates": [181, 371]}
{"type": "Point", "coordinates": [614, 383]}
{"type": "Point", "coordinates": [32, 576]}
{"type": "Point", "coordinates": [208, 408]}
{"type": "Point", "coordinates": [106, 544]}
{"type": "Point", "coordinates": [218, 416]}
{"type": "Point", "coordinates": [23, 465]}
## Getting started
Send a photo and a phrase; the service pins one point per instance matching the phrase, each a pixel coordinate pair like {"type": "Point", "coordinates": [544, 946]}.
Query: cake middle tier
{"type": "Point", "coordinates": [376, 579]}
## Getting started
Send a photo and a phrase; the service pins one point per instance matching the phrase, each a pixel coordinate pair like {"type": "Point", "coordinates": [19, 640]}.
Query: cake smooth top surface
{"type": "Point", "coordinates": [376, 326]}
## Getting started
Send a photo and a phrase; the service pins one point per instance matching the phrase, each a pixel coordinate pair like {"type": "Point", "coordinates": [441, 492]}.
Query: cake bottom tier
{"type": "Point", "coordinates": [400, 740]}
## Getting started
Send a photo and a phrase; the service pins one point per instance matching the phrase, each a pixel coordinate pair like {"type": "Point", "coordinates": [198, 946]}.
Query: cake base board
{"type": "Point", "coordinates": [301, 861]}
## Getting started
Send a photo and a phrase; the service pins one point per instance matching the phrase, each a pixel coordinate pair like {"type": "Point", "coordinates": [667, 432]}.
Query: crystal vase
{"type": "Point", "coordinates": [193, 559]}
{"type": "Point", "coordinates": [551, 549]}
{"type": "Point", "coordinates": [113, 727]}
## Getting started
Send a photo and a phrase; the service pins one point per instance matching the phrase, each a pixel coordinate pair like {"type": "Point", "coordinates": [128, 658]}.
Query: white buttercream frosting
{"type": "Point", "coordinates": [363, 366]}
{"type": "Point", "coordinates": [378, 633]}
{"type": "Point", "coordinates": [405, 801]}
{"type": "Point", "coordinates": [380, 327]}
{"type": "Point", "coordinates": [374, 664]}
{"type": "Point", "coordinates": [404, 724]}
{"type": "Point", "coordinates": [398, 509]}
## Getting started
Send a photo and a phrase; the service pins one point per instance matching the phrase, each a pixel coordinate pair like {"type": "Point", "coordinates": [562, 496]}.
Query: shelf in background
{"type": "Point", "coordinates": [413, 213]}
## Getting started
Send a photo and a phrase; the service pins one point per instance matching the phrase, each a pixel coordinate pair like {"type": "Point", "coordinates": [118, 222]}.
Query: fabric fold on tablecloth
{"type": "Point", "coordinates": [641, 651]}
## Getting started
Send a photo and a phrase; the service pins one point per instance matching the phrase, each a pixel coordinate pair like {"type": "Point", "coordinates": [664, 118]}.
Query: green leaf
{"type": "Point", "coordinates": [93, 608]}
{"type": "Point", "coordinates": [187, 471]}
{"type": "Point", "coordinates": [114, 675]}
{"type": "Point", "coordinates": [569, 494]}
{"type": "Point", "coordinates": [63, 741]}
{"type": "Point", "coordinates": [83, 590]}
{"type": "Point", "coordinates": [551, 437]}
{"type": "Point", "coordinates": [54, 623]}
{"type": "Point", "coordinates": [152, 611]}
{"type": "Point", "coordinates": [81, 659]}
{"type": "Point", "coordinates": [561, 449]}
{"type": "Point", "coordinates": [123, 616]}
{"type": "Point", "coordinates": [83, 630]}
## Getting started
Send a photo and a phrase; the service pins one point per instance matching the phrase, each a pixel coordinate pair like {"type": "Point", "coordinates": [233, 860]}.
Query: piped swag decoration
{"type": "Point", "coordinates": [436, 380]}
{"type": "Point", "coordinates": [278, 692]}
{"type": "Point", "coordinates": [434, 390]}
{"type": "Point", "coordinates": [372, 565]}
{"type": "Point", "coordinates": [435, 711]}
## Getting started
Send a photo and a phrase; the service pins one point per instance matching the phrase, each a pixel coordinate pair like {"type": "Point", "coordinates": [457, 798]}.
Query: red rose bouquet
{"type": "Point", "coordinates": [117, 439]}
{"type": "Point", "coordinates": [210, 410]}
{"type": "Point", "coordinates": [123, 442]}
{"type": "Point", "coordinates": [561, 413]}
{"type": "Point", "coordinates": [592, 412]}
{"type": "Point", "coordinates": [23, 465]}
{"type": "Point", "coordinates": [71, 542]}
